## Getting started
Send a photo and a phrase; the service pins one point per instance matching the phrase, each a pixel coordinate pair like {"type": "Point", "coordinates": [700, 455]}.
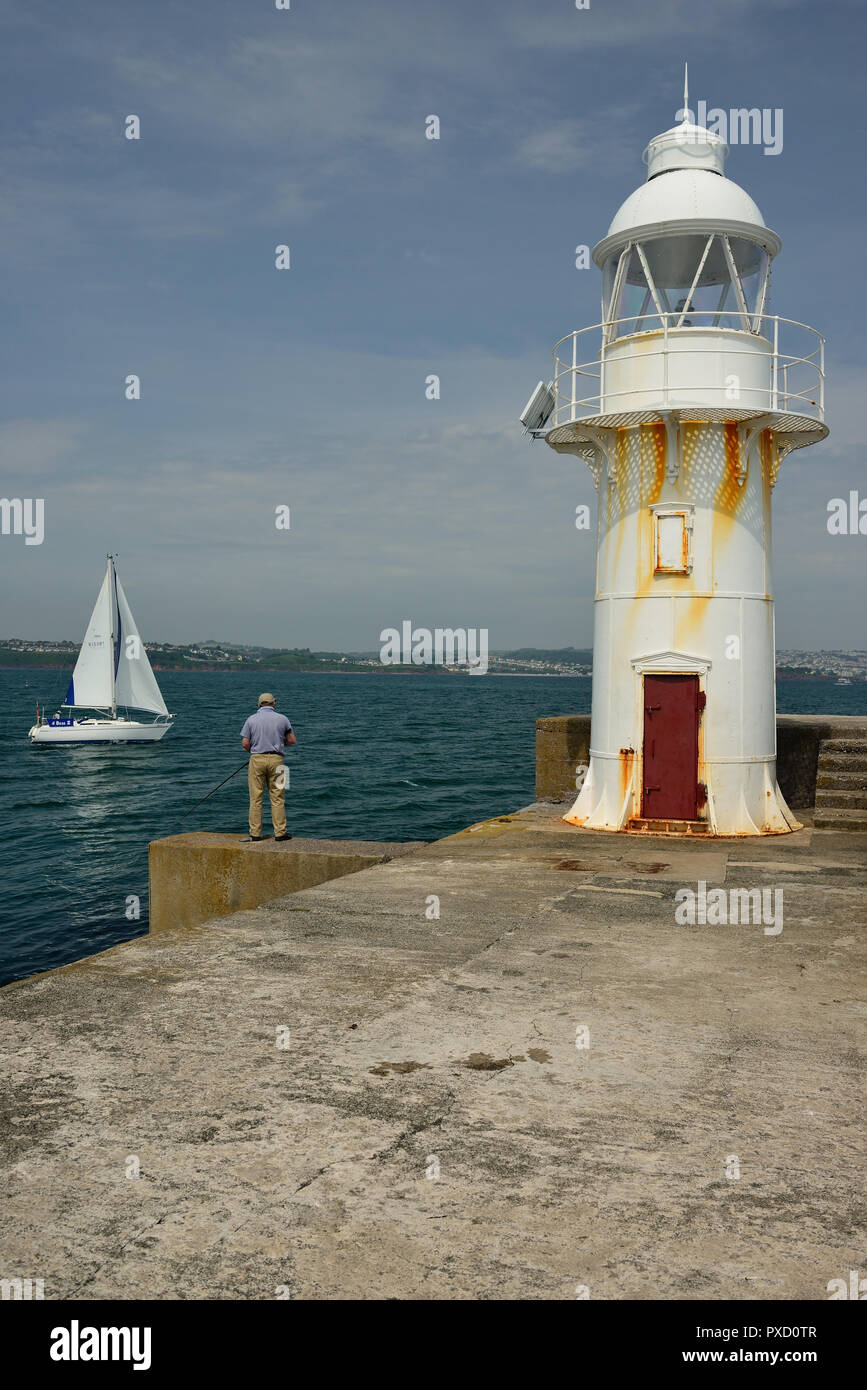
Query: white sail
{"type": "Point", "coordinates": [112, 669]}
{"type": "Point", "coordinates": [92, 680]}
{"type": "Point", "coordinates": [136, 685]}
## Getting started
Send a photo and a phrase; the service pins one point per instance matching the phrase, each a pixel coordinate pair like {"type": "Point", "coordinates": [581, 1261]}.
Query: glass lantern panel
{"type": "Point", "coordinates": [673, 260]}
{"type": "Point", "coordinates": [609, 274]}
{"type": "Point", "coordinates": [634, 300]}
{"type": "Point", "coordinates": [711, 300]}
{"type": "Point", "coordinates": [751, 262]}
{"type": "Point", "coordinates": [674, 263]}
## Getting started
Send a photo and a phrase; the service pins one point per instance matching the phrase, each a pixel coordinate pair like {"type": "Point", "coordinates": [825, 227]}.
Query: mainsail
{"type": "Point", "coordinates": [92, 681]}
{"type": "Point", "coordinates": [136, 684]}
{"type": "Point", "coordinates": [113, 667]}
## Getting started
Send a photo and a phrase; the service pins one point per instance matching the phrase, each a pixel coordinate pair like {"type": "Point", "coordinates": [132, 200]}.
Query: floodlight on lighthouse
{"type": "Point", "coordinates": [538, 409]}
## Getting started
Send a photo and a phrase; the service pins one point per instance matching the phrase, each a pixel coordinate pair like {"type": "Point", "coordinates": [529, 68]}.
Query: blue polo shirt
{"type": "Point", "coordinates": [266, 730]}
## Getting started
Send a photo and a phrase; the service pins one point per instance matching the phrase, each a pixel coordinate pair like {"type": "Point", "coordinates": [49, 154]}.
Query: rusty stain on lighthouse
{"type": "Point", "coordinates": [684, 402]}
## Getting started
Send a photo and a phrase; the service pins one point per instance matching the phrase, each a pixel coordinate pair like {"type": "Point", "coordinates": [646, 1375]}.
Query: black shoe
{"type": "Point", "coordinates": [282, 837]}
{"type": "Point", "coordinates": [245, 839]}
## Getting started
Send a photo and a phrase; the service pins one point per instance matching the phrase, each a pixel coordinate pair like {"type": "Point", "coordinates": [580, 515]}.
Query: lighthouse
{"type": "Point", "coordinates": [684, 402]}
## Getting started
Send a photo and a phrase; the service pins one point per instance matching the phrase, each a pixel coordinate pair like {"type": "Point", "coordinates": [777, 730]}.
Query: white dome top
{"type": "Point", "coordinates": [684, 199]}
{"type": "Point", "coordinates": [686, 193]}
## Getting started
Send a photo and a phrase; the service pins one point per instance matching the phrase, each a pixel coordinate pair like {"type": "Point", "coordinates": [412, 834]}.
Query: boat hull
{"type": "Point", "coordinates": [98, 731]}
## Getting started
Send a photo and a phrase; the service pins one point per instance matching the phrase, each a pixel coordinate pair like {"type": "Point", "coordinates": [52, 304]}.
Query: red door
{"type": "Point", "coordinates": [671, 707]}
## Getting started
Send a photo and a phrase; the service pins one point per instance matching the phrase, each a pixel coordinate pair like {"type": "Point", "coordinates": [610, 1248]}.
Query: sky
{"type": "Point", "coordinates": [409, 257]}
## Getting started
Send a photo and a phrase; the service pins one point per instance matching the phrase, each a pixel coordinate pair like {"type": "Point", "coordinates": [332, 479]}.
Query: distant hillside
{"type": "Point", "coordinates": [562, 656]}
{"type": "Point", "coordinates": [53, 661]}
{"type": "Point", "coordinates": [21, 654]}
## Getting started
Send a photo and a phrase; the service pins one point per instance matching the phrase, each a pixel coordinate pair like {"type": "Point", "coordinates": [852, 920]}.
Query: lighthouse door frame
{"type": "Point", "coordinates": [668, 663]}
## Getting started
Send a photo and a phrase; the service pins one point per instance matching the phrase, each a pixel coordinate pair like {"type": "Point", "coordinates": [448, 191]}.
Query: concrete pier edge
{"type": "Point", "coordinates": [196, 877]}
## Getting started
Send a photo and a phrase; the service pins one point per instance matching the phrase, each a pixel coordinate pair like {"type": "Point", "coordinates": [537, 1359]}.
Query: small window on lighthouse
{"type": "Point", "coordinates": [673, 541]}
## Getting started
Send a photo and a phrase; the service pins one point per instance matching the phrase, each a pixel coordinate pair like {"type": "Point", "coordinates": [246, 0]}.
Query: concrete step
{"type": "Point", "coordinates": [843, 762]}
{"type": "Point", "coordinates": [843, 745]}
{"type": "Point", "coordinates": [827, 818]}
{"type": "Point", "coordinates": [841, 800]}
{"type": "Point", "coordinates": [845, 730]}
{"type": "Point", "coordinates": [842, 781]}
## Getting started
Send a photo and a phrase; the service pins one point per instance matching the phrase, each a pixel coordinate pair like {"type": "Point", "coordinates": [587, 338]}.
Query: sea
{"type": "Point", "coordinates": [384, 757]}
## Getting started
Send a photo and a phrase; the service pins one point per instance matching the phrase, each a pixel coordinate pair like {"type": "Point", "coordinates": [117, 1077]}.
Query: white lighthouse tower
{"type": "Point", "coordinates": [684, 402]}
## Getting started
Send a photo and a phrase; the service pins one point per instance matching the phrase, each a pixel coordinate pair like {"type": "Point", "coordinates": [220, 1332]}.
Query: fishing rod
{"type": "Point", "coordinates": [217, 787]}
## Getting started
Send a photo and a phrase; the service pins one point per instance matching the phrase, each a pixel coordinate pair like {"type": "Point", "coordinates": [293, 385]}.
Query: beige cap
{"type": "Point", "coordinates": [266, 699]}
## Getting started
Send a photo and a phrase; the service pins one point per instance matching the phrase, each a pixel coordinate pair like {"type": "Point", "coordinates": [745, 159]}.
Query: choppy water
{"type": "Point", "coordinates": [379, 757]}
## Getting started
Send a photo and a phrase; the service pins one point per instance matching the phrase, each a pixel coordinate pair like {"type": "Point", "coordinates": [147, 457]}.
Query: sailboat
{"type": "Point", "coordinates": [112, 673]}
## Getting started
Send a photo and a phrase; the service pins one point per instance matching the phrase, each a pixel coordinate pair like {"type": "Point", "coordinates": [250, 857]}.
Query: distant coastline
{"type": "Point", "coordinates": [337, 671]}
{"type": "Point", "coordinates": [415, 671]}
{"type": "Point", "coordinates": [216, 658]}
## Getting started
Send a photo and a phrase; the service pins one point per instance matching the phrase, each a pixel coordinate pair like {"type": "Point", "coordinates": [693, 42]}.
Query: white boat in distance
{"type": "Point", "coordinates": [112, 672]}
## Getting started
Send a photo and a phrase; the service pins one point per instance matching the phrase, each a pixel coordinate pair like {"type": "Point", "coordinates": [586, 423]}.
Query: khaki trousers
{"type": "Point", "coordinates": [267, 768]}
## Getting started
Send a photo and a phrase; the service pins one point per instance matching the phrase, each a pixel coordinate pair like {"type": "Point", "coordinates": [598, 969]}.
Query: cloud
{"type": "Point", "coordinates": [560, 149]}
{"type": "Point", "coordinates": [38, 448]}
{"type": "Point", "coordinates": [635, 24]}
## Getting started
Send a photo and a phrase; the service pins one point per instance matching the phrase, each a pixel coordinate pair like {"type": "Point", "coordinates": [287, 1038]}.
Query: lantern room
{"type": "Point", "coordinates": [689, 249]}
{"type": "Point", "coordinates": [686, 319]}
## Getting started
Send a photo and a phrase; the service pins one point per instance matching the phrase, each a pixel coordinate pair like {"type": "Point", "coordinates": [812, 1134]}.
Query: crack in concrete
{"type": "Point", "coordinates": [396, 1144]}
{"type": "Point", "coordinates": [308, 1181]}
{"type": "Point", "coordinates": [151, 1226]}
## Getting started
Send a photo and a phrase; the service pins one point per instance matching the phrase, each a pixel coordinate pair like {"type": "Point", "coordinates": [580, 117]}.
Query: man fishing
{"type": "Point", "coordinates": [264, 735]}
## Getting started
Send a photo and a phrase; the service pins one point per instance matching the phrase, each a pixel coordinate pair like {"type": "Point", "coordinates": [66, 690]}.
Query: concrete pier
{"type": "Point", "coordinates": [197, 876]}
{"type": "Point", "coordinates": [372, 1089]}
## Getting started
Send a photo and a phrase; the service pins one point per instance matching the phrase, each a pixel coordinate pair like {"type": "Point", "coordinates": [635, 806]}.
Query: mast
{"type": "Point", "coordinates": [112, 590]}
